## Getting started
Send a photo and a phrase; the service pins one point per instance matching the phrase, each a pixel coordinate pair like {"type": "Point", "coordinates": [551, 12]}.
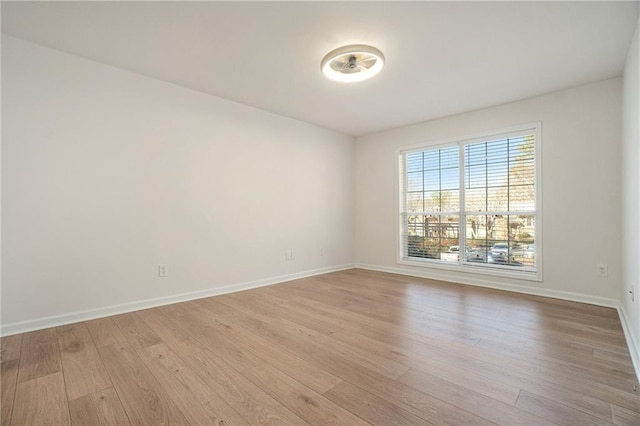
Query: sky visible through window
{"type": "Point", "coordinates": [433, 177]}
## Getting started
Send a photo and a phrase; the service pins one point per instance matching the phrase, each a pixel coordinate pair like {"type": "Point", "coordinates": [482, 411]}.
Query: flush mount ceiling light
{"type": "Point", "coordinates": [349, 64]}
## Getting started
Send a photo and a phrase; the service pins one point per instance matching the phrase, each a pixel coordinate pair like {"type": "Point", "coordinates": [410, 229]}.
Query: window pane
{"type": "Point", "coordinates": [449, 157]}
{"type": "Point", "coordinates": [476, 232]}
{"type": "Point", "coordinates": [497, 151]}
{"type": "Point", "coordinates": [431, 180]}
{"type": "Point", "coordinates": [522, 171]}
{"type": "Point", "coordinates": [522, 147]}
{"type": "Point", "coordinates": [432, 201]}
{"type": "Point", "coordinates": [475, 154]}
{"type": "Point", "coordinates": [506, 171]}
{"type": "Point", "coordinates": [414, 202]}
{"type": "Point", "coordinates": [507, 240]}
{"type": "Point", "coordinates": [498, 199]}
{"type": "Point", "coordinates": [415, 226]}
{"type": "Point", "coordinates": [432, 159]}
{"type": "Point", "coordinates": [497, 174]}
{"type": "Point", "coordinates": [450, 178]}
{"type": "Point", "coordinates": [522, 198]}
{"type": "Point", "coordinates": [414, 162]}
{"type": "Point", "coordinates": [437, 177]}
{"type": "Point", "coordinates": [414, 181]}
{"type": "Point", "coordinates": [450, 201]}
{"type": "Point", "coordinates": [476, 200]}
{"type": "Point", "coordinates": [442, 201]}
{"type": "Point", "coordinates": [432, 237]}
{"type": "Point", "coordinates": [522, 234]}
{"type": "Point", "coordinates": [476, 176]}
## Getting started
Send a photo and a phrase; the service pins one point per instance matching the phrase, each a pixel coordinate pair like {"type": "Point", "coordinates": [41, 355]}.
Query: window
{"type": "Point", "coordinates": [472, 204]}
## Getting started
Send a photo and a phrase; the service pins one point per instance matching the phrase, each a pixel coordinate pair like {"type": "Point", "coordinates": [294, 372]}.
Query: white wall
{"type": "Point", "coordinates": [107, 173]}
{"type": "Point", "coordinates": [581, 188]}
{"type": "Point", "coordinates": [631, 193]}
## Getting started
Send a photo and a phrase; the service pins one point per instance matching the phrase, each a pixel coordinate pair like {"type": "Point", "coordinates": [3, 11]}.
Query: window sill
{"type": "Point", "coordinates": [474, 269]}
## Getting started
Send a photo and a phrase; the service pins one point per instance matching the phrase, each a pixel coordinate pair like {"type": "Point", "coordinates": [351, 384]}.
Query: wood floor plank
{"type": "Point", "coordinates": [267, 306]}
{"type": "Point", "coordinates": [491, 297]}
{"type": "Point", "coordinates": [256, 406]}
{"type": "Point", "coordinates": [416, 402]}
{"type": "Point", "coordinates": [144, 400]}
{"type": "Point", "coordinates": [473, 402]}
{"type": "Point", "coordinates": [176, 310]}
{"type": "Point", "coordinates": [587, 364]}
{"type": "Point", "coordinates": [172, 334]}
{"type": "Point", "coordinates": [383, 366]}
{"type": "Point", "coordinates": [104, 332]}
{"type": "Point", "coordinates": [480, 312]}
{"type": "Point", "coordinates": [623, 417]}
{"type": "Point", "coordinates": [41, 401]}
{"type": "Point", "coordinates": [307, 349]}
{"type": "Point", "coordinates": [472, 381]}
{"type": "Point", "coordinates": [8, 382]}
{"type": "Point", "coordinates": [10, 347]}
{"type": "Point", "coordinates": [100, 408]}
{"type": "Point", "coordinates": [217, 341]}
{"type": "Point", "coordinates": [613, 357]}
{"type": "Point", "coordinates": [371, 408]}
{"type": "Point", "coordinates": [40, 355]}
{"type": "Point", "coordinates": [556, 376]}
{"type": "Point", "coordinates": [494, 328]}
{"type": "Point", "coordinates": [480, 307]}
{"type": "Point", "coordinates": [214, 305]}
{"type": "Point", "coordinates": [304, 372]}
{"type": "Point", "coordinates": [555, 412]}
{"type": "Point", "coordinates": [351, 320]}
{"type": "Point", "coordinates": [83, 370]}
{"type": "Point", "coordinates": [559, 345]}
{"type": "Point", "coordinates": [199, 402]}
{"type": "Point", "coordinates": [314, 408]}
{"type": "Point", "coordinates": [135, 330]}
{"type": "Point", "coordinates": [365, 358]}
{"type": "Point", "coordinates": [411, 400]}
{"type": "Point", "coordinates": [591, 398]}
{"type": "Point", "coordinates": [83, 412]}
{"type": "Point", "coordinates": [584, 365]}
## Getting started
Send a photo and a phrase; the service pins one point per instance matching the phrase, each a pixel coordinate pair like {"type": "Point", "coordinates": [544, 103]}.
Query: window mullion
{"type": "Point", "coordinates": [486, 195]}
{"type": "Point", "coordinates": [462, 217]}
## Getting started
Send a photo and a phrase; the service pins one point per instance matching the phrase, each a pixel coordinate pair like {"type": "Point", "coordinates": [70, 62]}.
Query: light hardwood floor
{"type": "Point", "coordinates": [353, 348]}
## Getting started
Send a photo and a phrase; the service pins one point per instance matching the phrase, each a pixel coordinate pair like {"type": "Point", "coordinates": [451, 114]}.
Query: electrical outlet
{"type": "Point", "coordinates": [288, 255]}
{"type": "Point", "coordinates": [633, 295]}
{"type": "Point", "coordinates": [603, 270]}
{"type": "Point", "coordinates": [163, 270]}
{"type": "Point", "coordinates": [321, 251]}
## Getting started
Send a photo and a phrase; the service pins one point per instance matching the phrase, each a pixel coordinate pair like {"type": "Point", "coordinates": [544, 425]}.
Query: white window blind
{"type": "Point", "coordinates": [472, 204]}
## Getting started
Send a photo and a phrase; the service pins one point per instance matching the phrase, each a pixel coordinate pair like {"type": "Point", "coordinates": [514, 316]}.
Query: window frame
{"type": "Point", "coordinates": [462, 266]}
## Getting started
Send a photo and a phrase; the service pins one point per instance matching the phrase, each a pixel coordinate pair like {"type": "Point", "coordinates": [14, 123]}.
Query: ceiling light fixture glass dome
{"type": "Point", "coordinates": [350, 64]}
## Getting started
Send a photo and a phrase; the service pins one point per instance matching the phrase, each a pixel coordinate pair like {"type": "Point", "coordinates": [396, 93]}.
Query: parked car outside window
{"type": "Point", "coordinates": [471, 253]}
{"type": "Point", "coordinates": [500, 248]}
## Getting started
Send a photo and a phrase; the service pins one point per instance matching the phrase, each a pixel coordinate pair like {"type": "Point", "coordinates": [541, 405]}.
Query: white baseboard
{"type": "Point", "coordinates": [632, 343]}
{"type": "Point", "coordinates": [56, 320]}
{"type": "Point", "coordinates": [480, 282]}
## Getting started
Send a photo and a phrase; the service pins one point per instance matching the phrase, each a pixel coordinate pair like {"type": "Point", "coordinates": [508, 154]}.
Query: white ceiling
{"type": "Point", "coordinates": [442, 58]}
